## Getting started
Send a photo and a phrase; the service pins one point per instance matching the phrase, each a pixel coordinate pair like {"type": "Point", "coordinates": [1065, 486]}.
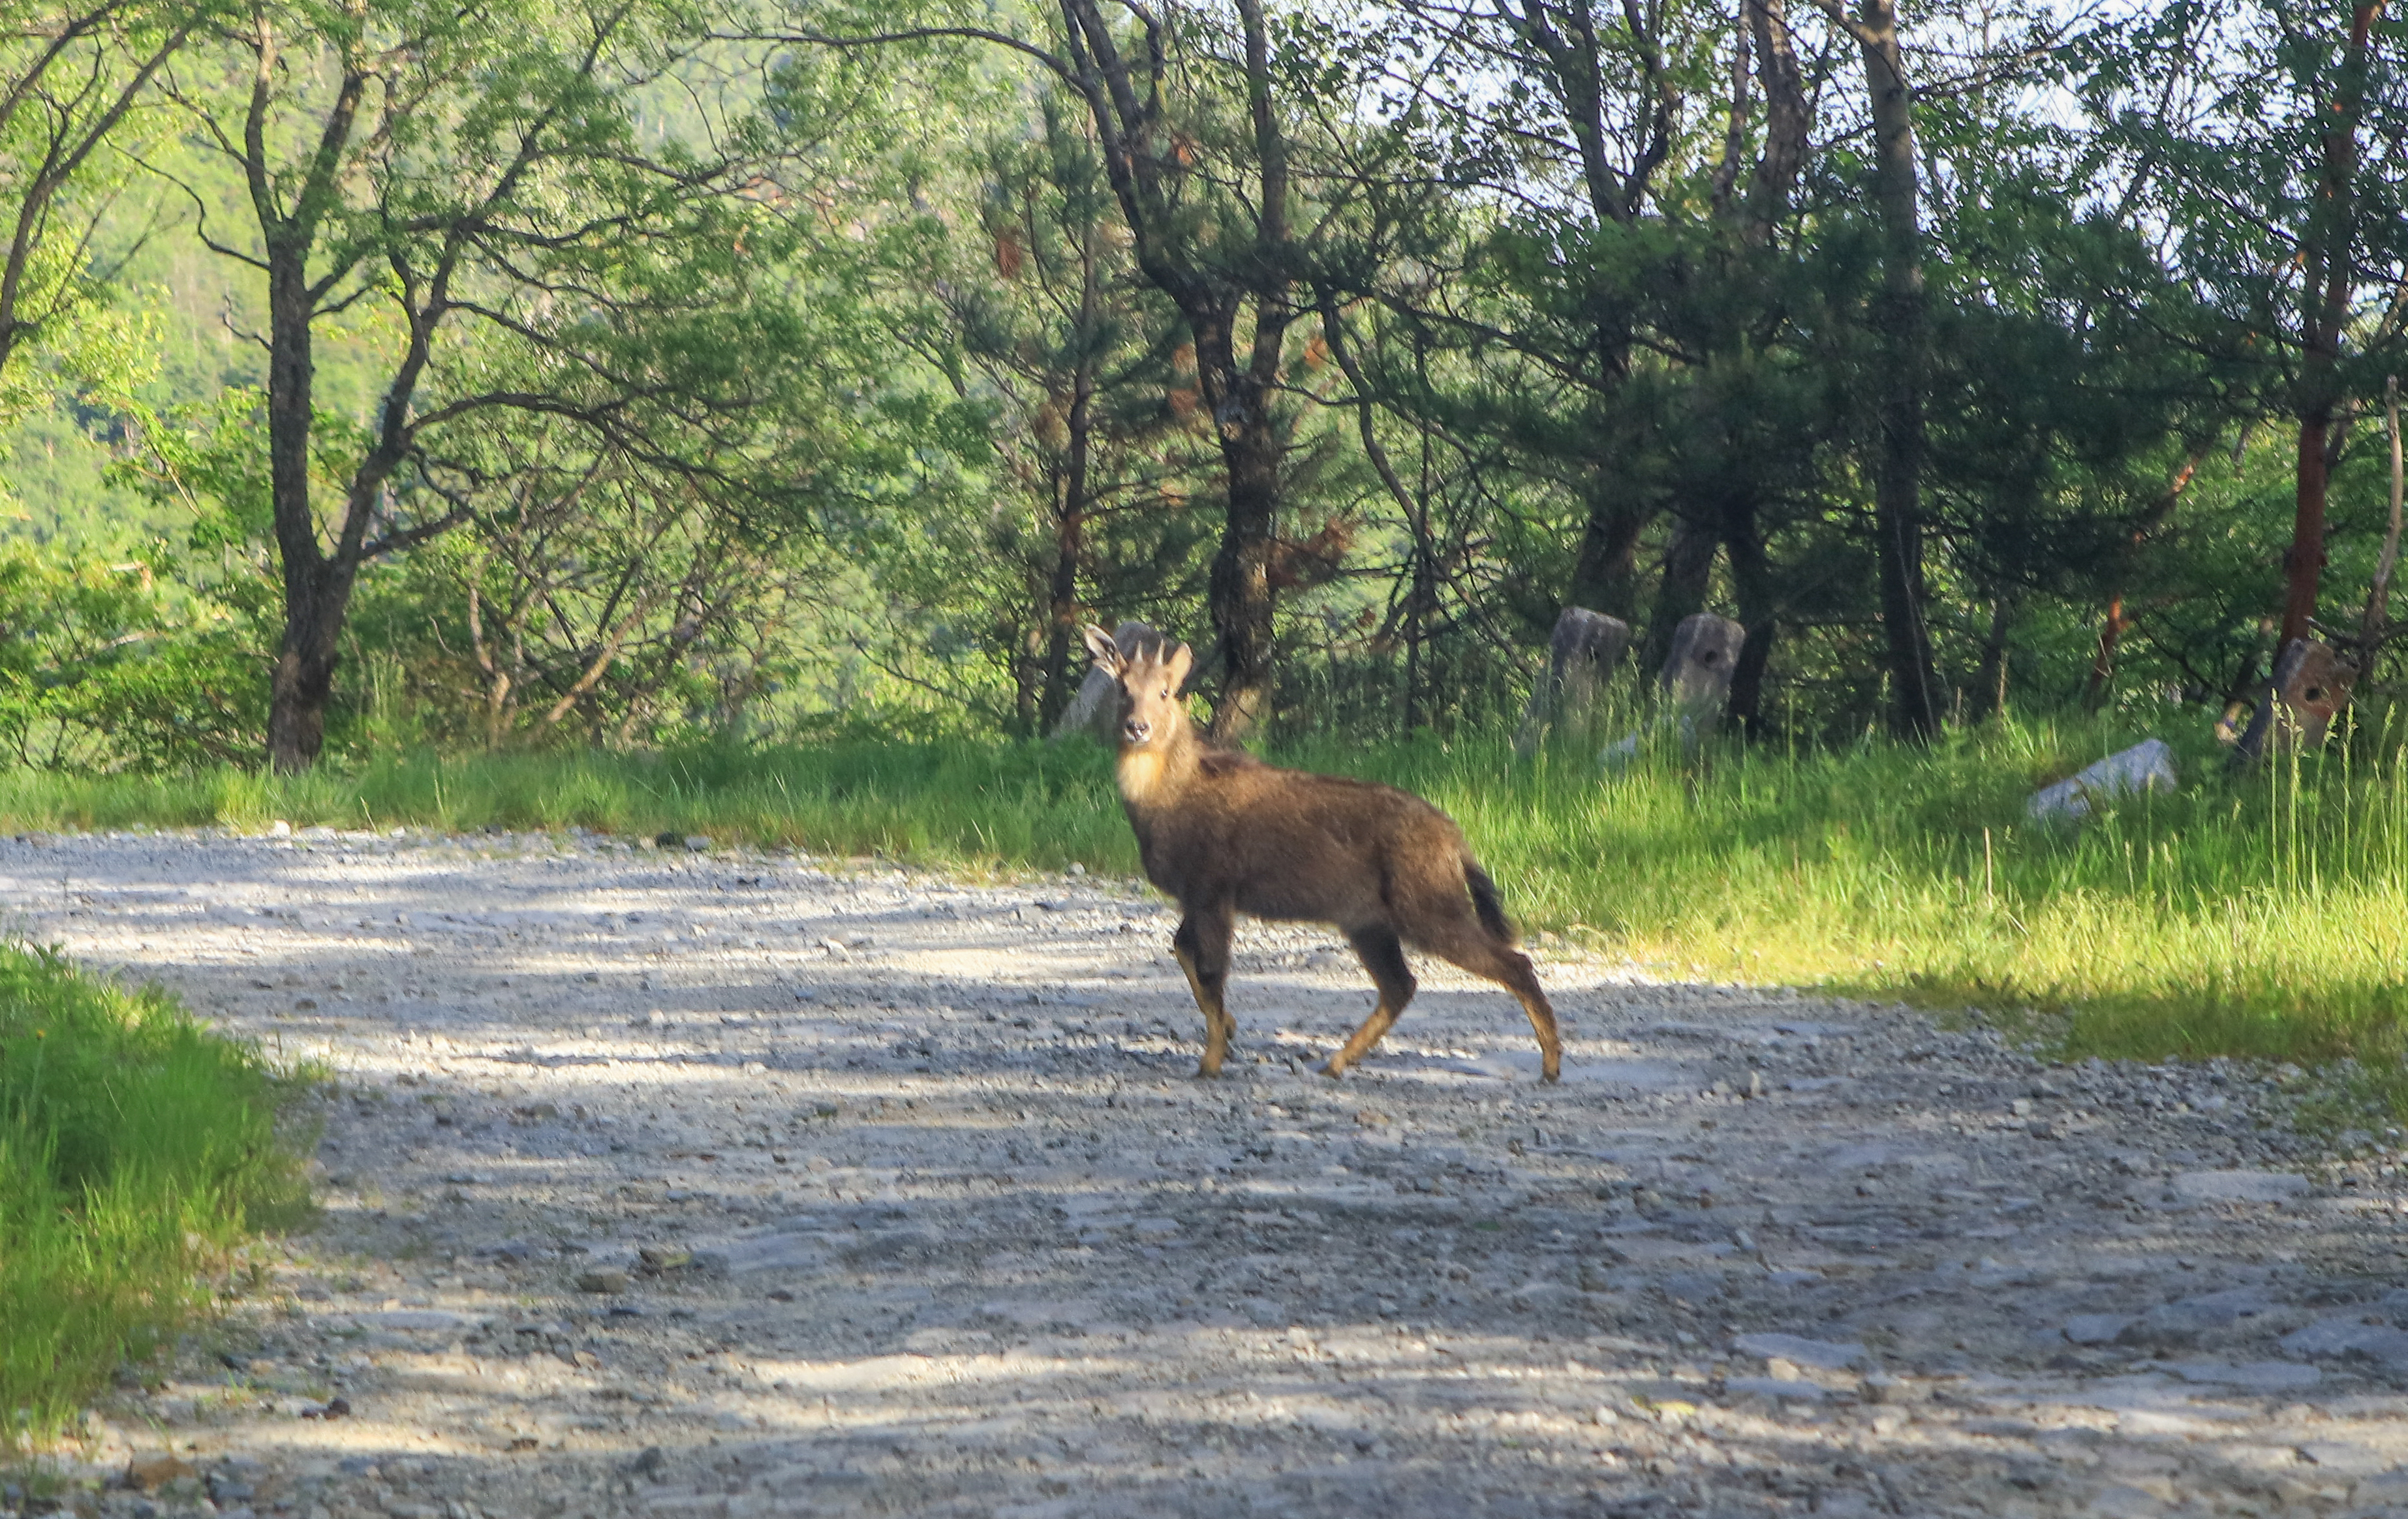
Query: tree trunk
{"type": "Point", "coordinates": [1239, 593]}
{"type": "Point", "coordinates": [1070, 514]}
{"type": "Point", "coordinates": [1061, 617]}
{"type": "Point", "coordinates": [2372, 621]}
{"type": "Point", "coordinates": [1788, 123]}
{"type": "Point", "coordinates": [1897, 476]}
{"type": "Point", "coordinates": [303, 683]}
{"type": "Point", "coordinates": [2303, 562]}
{"type": "Point", "coordinates": [1789, 119]}
{"type": "Point", "coordinates": [2102, 662]}
{"type": "Point", "coordinates": [317, 589]}
{"type": "Point", "coordinates": [1069, 546]}
{"type": "Point", "coordinates": [1990, 682]}
{"type": "Point", "coordinates": [1752, 576]}
{"type": "Point", "coordinates": [2325, 301]}
{"type": "Point", "coordinates": [1689, 566]}
{"type": "Point", "coordinates": [316, 594]}
{"type": "Point", "coordinates": [1210, 288]}
{"type": "Point", "coordinates": [1605, 575]}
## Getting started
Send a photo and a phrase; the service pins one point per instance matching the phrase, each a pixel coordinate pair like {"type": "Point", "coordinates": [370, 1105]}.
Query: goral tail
{"type": "Point", "coordinates": [1484, 901]}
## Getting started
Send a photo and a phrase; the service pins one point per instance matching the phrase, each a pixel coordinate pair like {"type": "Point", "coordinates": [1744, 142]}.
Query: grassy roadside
{"type": "Point", "coordinates": [2265, 917]}
{"type": "Point", "coordinates": [137, 1150]}
{"type": "Point", "coordinates": [1039, 805]}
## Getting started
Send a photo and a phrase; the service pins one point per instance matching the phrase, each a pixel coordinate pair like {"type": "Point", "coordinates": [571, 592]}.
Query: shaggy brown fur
{"type": "Point", "coordinates": [1223, 834]}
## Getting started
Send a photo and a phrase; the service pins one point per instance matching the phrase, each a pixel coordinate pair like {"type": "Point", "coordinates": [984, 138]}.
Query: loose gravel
{"type": "Point", "coordinates": [670, 1181]}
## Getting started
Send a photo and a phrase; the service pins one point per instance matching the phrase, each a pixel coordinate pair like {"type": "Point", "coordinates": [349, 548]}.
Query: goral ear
{"type": "Point", "coordinates": [1102, 650]}
{"type": "Point", "coordinates": [1176, 665]}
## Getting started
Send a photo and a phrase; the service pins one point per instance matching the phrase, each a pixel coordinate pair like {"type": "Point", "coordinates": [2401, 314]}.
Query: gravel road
{"type": "Point", "coordinates": [671, 1182]}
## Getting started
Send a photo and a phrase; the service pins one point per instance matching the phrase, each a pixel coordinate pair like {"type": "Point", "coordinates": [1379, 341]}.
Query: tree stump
{"type": "Point", "coordinates": [2311, 684]}
{"type": "Point", "coordinates": [1580, 657]}
{"type": "Point", "coordinates": [1698, 673]}
{"type": "Point", "coordinates": [1096, 705]}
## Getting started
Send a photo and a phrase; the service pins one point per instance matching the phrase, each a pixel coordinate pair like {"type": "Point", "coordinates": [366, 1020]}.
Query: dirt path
{"type": "Point", "coordinates": [897, 1197]}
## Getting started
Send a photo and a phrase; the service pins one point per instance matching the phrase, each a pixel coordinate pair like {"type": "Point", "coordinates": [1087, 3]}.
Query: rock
{"type": "Point", "coordinates": [2096, 1328]}
{"type": "Point", "coordinates": [1777, 1387]}
{"type": "Point", "coordinates": [150, 1473]}
{"type": "Point", "coordinates": [1829, 1355]}
{"type": "Point", "coordinates": [2240, 1186]}
{"type": "Point", "coordinates": [697, 843]}
{"type": "Point", "coordinates": [606, 1281]}
{"type": "Point", "coordinates": [2349, 1337]}
{"type": "Point", "coordinates": [1581, 658]}
{"type": "Point", "coordinates": [2206, 1312]}
{"type": "Point", "coordinates": [2385, 1493]}
{"type": "Point", "coordinates": [765, 1252]}
{"type": "Point", "coordinates": [2342, 1458]}
{"type": "Point", "coordinates": [2119, 1501]}
{"type": "Point", "coordinates": [2254, 1376]}
{"type": "Point", "coordinates": [417, 1320]}
{"type": "Point", "coordinates": [2147, 766]}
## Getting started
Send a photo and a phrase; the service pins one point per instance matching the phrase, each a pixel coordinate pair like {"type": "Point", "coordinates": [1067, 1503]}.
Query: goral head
{"type": "Point", "coordinates": [1147, 679]}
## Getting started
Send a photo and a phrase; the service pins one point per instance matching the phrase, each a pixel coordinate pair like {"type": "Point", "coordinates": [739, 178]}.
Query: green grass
{"type": "Point", "coordinates": [137, 1150]}
{"type": "Point", "coordinates": [956, 803]}
{"type": "Point", "coordinates": [2264, 917]}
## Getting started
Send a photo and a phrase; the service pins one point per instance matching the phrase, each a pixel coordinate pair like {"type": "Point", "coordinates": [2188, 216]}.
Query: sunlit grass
{"type": "Point", "coordinates": [958, 803]}
{"type": "Point", "coordinates": [135, 1150]}
{"type": "Point", "coordinates": [2266, 915]}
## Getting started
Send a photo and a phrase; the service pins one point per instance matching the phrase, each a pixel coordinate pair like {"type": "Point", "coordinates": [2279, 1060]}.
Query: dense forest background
{"type": "Point", "coordinates": [378, 373]}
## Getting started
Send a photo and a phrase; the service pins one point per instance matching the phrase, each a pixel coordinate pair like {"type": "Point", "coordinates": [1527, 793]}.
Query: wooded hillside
{"type": "Point", "coordinates": [380, 373]}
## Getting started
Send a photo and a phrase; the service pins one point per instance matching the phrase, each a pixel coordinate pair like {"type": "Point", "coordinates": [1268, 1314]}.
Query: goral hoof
{"type": "Point", "coordinates": [1206, 1073]}
{"type": "Point", "coordinates": [1331, 1069]}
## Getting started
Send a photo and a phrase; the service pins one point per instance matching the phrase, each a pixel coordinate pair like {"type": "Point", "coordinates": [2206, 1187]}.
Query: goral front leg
{"type": "Point", "coordinates": [1201, 946]}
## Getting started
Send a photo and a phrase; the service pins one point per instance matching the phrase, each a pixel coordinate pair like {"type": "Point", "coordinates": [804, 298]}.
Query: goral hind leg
{"type": "Point", "coordinates": [1384, 958]}
{"type": "Point", "coordinates": [1203, 948]}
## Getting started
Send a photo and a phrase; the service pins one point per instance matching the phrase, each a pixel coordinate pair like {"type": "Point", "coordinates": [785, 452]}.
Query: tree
{"type": "Point", "coordinates": [1198, 150]}
{"type": "Point", "coordinates": [470, 185]}
{"type": "Point", "coordinates": [1648, 273]}
{"type": "Point", "coordinates": [593, 595]}
{"type": "Point", "coordinates": [69, 76]}
{"type": "Point", "coordinates": [1897, 480]}
{"type": "Point", "coordinates": [2328, 277]}
{"type": "Point", "coordinates": [2254, 164]}
{"type": "Point", "coordinates": [1569, 114]}
{"type": "Point", "coordinates": [1095, 424]}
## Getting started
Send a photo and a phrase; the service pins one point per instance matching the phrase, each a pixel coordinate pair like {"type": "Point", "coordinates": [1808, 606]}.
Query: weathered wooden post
{"type": "Point", "coordinates": [2311, 684]}
{"type": "Point", "coordinates": [1693, 687]}
{"type": "Point", "coordinates": [1580, 657]}
{"type": "Point", "coordinates": [1093, 710]}
{"type": "Point", "coordinates": [1698, 673]}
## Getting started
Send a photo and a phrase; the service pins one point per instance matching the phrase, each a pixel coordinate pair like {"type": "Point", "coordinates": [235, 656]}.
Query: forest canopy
{"type": "Point", "coordinates": [374, 372]}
